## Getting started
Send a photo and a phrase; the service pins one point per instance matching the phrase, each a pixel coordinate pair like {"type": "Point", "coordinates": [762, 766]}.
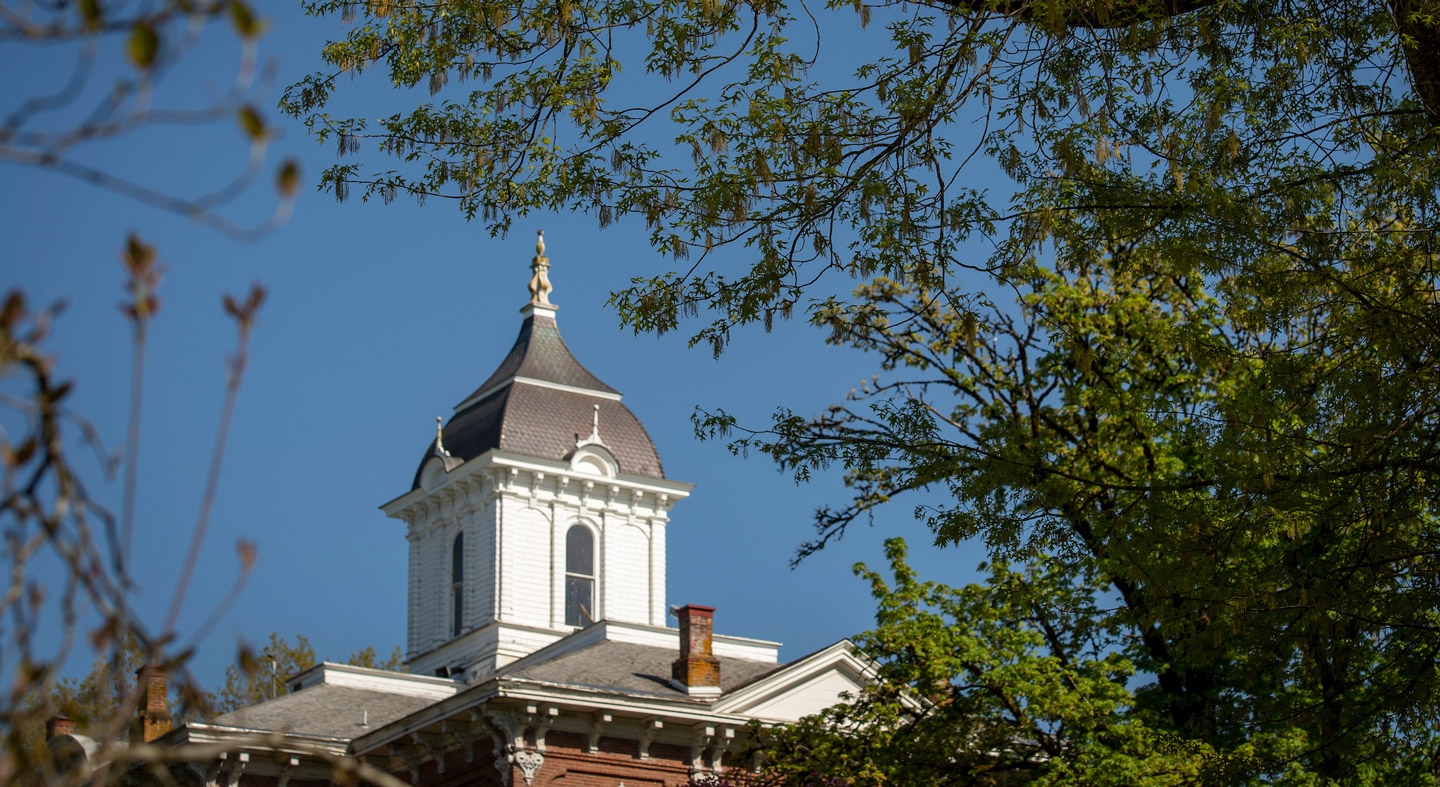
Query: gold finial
{"type": "Point", "coordinates": [539, 278]}
{"type": "Point", "coordinates": [440, 436]}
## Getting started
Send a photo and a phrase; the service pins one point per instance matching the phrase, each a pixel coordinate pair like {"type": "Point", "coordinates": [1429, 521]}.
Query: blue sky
{"type": "Point", "coordinates": [379, 318]}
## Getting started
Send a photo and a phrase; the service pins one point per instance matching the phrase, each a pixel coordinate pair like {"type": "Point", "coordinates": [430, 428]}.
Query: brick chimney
{"type": "Point", "coordinates": [152, 718]}
{"type": "Point", "coordinates": [697, 671]}
{"type": "Point", "coordinates": [58, 725]}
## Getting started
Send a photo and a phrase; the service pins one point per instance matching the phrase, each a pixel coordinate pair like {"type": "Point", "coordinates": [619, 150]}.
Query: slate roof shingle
{"type": "Point", "coordinates": [630, 668]}
{"type": "Point", "coordinates": [325, 711]}
{"type": "Point", "coordinates": [545, 422]}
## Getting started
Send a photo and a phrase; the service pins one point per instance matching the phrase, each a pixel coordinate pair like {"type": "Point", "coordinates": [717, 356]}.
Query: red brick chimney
{"type": "Point", "coordinates": [697, 671]}
{"type": "Point", "coordinates": [58, 725]}
{"type": "Point", "coordinates": [152, 718]}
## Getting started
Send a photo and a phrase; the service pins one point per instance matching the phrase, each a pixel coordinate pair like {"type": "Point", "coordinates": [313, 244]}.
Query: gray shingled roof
{"type": "Point", "coordinates": [539, 352]}
{"type": "Point", "coordinates": [544, 422]}
{"type": "Point", "coordinates": [628, 668]}
{"type": "Point", "coordinates": [326, 711]}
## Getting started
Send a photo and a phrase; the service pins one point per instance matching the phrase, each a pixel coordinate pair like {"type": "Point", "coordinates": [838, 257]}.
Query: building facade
{"type": "Point", "coordinates": [539, 645]}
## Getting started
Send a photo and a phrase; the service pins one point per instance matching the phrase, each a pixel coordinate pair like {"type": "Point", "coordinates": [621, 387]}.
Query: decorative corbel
{"type": "Point", "coordinates": [233, 767]}
{"type": "Point", "coordinates": [614, 493]}
{"type": "Point", "coordinates": [467, 734]}
{"type": "Point", "coordinates": [410, 755]}
{"type": "Point", "coordinates": [540, 718]}
{"type": "Point", "coordinates": [722, 741]}
{"type": "Point", "coordinates": [597, 726]}
{"type": "Point", "coordinates": [529, 762]}
{"type": "Point", "coordinates": [700, 737]}
{"type": "Point", "coordinates": [652, 725]}
{"type": "Point", "coordinates": [585, 494]}
{"type": "Point", "coordinates": [434, 745]}
{"type": "Point", "coordinates": [287, 767]}
{"type": "Point", "coordinates": [509, 737]}
{"type": "Point", "coordinates": [512, 731]}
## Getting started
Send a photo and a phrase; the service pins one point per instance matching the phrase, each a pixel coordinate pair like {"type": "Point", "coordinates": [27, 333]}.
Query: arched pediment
{"type": "Point", "coordinates": [594, 460]}
{"type": "Point", "coordinates": [432, 474]}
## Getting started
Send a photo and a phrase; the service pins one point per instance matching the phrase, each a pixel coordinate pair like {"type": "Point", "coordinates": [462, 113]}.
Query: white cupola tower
{"type": "Point", "coordinates": [539, 509]}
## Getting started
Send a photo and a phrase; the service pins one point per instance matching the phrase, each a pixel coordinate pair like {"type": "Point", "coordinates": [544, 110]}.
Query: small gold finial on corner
{"type": "Point", "coordinates": [440, 436]}
{"type": "Point", "coordinates": [540, 278]}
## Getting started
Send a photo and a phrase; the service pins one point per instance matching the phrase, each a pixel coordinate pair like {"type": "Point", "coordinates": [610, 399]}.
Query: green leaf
{"type": "Point", "coordinates": [144, 45]}
{"type": "Point", "coordinates": [287, 179]}
{"type": "Point", "coordinates": [90, 14]}
{"type": "Point", "coordinates": [244, 19]}
{"type": "Point", "coordinates": [251, 122]}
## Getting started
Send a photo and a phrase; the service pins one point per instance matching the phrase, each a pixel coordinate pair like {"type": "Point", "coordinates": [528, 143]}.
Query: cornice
{"type": "Point", "coordinates": [497, 473]}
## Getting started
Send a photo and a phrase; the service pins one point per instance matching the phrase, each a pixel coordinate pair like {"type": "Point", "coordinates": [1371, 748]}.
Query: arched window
{"type": "Point", "coordinates": [579, 576]}
{"type": "Point", "coordinates": [457, 584]}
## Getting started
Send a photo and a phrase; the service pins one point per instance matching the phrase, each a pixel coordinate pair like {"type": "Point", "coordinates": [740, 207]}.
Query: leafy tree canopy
{"type": "Point", "coordinates": [1179, 361]}
{"type": "Point", "coordinates": [101, 704]}
{"type": "Point", "coordinates": [1014, 681]}
{"type": "Point", "coordinates": [1231, 136]}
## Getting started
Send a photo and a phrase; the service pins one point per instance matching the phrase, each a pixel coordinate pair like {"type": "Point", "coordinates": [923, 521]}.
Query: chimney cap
{"type": "Point", "coordinates": [59, 724]}
{"type": "Point", "coordinates": [695, 609]}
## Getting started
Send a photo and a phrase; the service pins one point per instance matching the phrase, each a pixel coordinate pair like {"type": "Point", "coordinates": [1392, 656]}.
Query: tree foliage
{"type": "Point", "coordinates": [67, 556]}
{"type": "Point", "coordinates": [51, 125]}
{"type": "Point", "coordinates": [1153, 287]}
{"type": "Point", "coordinates": [1014, 681]}
{"type": "Point", "coordinates": [1222, 129]}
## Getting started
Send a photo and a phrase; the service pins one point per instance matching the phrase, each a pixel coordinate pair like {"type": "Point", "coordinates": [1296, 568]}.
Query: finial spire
{"type": "Point", "coordinates": [594, 438]}
{"type": "Point", "coordinates": [539, 278]}
{"type": "Point", "coordinates": [440, 436]}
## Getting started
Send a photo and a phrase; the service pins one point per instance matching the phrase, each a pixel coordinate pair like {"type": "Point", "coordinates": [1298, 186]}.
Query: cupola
{"type": "Point", "coordinates": [538, 508]}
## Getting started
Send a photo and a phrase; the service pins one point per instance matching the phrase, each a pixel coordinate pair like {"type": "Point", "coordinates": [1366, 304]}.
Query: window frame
{"type": "Point", "coordinates": [457, 585]}
{"type": "Point", "coordinates": [581, 614]}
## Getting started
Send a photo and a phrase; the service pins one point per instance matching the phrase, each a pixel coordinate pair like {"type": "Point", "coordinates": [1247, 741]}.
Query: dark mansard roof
{"type": "Point", "coordinates": [539, 402]}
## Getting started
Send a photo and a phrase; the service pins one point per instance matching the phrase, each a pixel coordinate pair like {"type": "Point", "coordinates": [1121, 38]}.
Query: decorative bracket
{"type": "Point", "coordinates": [652, 725]}
{"type": "Point", "coordinates": [597, 726]}
{"type": "Point", "coordinates": [722, 741]}
{"type": "Point", "coordinates": [509, 742]}
{"type": "Point", "coordinates": [467, 734]}
{"type": "Point", "coordinates": [529, 762]}
{"type": "Point", "coordinates": [232, 769]}
{"type": "Point", "coordinates": [539, 718]}
{"type": "Point", "coordinates": [287, 767]}
{"type": "Point", "coordinates": [434, 745]}
{"type": "Point", "coordinates": [410, 755]}
{"type": "Point", "coordinates": [700, 737]}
